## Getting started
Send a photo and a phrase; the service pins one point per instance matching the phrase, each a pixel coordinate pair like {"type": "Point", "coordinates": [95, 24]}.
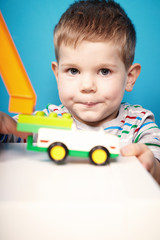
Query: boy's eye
{"type": "Point", "coordinates": [73, 71]}
{"type": "Point", "coordinates": [104, 71]}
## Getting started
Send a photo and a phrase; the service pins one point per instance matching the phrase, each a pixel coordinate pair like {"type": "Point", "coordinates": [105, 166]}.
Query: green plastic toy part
{"type": "Point", "coordinates": [30, 123]}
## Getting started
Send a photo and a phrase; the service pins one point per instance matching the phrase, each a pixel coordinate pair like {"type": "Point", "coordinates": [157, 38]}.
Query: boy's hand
{"type": "Point", "coordinates": [145, 156]}
{"type": "Point", "coordinates": [9, 126]}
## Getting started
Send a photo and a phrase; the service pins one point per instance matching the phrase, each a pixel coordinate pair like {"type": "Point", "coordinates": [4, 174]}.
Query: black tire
{"type": "Point", "coordinates": [103, 159]}
{"type": "Point", "coordinates": [58, 152]}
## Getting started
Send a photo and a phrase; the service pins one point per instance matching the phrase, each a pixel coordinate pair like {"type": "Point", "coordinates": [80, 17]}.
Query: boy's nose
{"type": "Point", "coordinates": [88, 84]}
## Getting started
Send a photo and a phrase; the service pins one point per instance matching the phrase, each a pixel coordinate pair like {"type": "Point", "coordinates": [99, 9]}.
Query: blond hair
{"type": "Point", "coordinates": [95, 20]}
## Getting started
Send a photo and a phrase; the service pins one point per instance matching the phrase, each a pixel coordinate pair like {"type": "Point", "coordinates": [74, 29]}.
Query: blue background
{"type": "Point", "coordinates": [31, 25]}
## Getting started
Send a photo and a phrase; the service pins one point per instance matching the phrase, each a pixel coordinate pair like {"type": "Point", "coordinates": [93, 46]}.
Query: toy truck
{"type": "Point", "coordinates": [59, 137]}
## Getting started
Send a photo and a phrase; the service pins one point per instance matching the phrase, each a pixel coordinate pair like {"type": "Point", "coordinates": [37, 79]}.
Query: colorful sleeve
{"type": "Point", "coordinates": [149, 134]}
{"type": "Point", "coordinates": [10, 138]}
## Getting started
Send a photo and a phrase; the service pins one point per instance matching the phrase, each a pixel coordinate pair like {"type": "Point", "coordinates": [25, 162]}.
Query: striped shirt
{"type": "Point", "coordinates": [133, 124]}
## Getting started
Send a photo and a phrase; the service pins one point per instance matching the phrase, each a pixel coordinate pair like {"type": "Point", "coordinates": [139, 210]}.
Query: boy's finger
{"type": "Point", "coordinates": [142, 152]}
{"type": "Point", "coordinates": [23, 135]}
{"type": "Point", "coordinates": [134, 149]}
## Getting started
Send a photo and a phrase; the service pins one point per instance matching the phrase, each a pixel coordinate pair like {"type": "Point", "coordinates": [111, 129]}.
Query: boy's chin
{"type": "Point", "coordinates": [91, 121]}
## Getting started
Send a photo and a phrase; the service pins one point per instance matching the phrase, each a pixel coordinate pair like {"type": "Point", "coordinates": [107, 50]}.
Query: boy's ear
{"type": "Point", "coordinates": [55, 69]}
{"type": "Point", "coordinates": [133, 74]}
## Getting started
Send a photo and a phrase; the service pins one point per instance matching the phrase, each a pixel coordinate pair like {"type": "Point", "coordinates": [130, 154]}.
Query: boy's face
{"type": "Point", "coordinates": [91, 81]}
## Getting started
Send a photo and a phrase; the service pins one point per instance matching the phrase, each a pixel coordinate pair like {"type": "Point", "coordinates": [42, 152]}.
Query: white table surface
{"type": "Point", "coordinates": [40, 200]}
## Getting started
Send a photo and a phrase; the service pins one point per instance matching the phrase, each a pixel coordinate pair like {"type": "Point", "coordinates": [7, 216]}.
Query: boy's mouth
{"type": "Point", "coordinates": [89, 104]}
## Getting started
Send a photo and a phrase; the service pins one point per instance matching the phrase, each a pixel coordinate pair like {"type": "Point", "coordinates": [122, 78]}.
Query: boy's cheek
{"type": "Point", "coordinates": [65, 93]}
{"type": "Point", "coordinates": [112, 93]}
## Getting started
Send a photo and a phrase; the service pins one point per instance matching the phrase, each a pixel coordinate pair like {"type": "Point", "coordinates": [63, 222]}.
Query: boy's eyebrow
{"type": "Point", "coordinates": [101, 65]}
{"type": "Point", "coordinates": [107, 65]}
{"type": "Point", "coordinates": [68, 65]}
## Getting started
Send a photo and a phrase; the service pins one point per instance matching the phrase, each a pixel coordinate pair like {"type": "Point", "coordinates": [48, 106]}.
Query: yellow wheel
{"type": "Point", "coordinates": [57, 152]}
{"type": "Point", "coordinates": [99, 155]}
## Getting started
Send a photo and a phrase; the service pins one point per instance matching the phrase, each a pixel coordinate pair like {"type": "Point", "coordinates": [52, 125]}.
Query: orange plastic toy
{"type": "Point", "coordinates": [16, 80]}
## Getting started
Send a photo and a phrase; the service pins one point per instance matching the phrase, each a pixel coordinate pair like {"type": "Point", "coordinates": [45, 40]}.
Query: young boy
{"type": "Point", "coordinates": [95, 45]}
